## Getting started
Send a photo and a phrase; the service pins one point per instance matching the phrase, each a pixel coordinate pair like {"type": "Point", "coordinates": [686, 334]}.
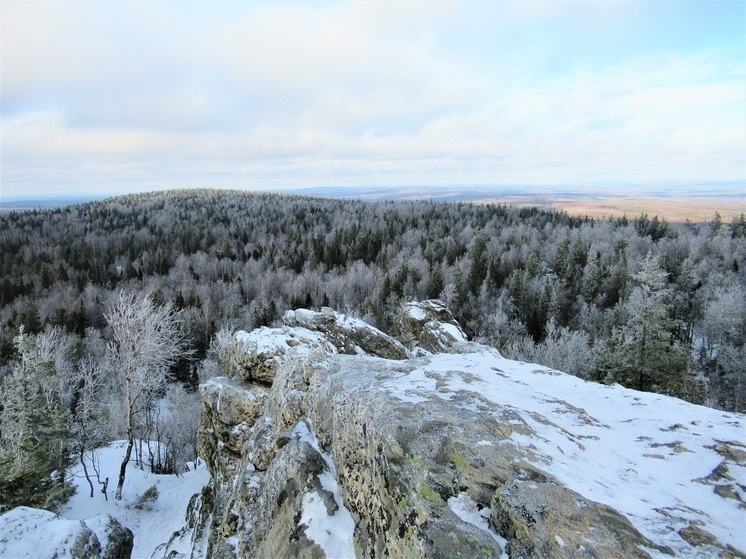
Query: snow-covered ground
{"type": "Point", "coordinates": [646, 455]}
{"type": "Point", "coordinates": [150, 527]}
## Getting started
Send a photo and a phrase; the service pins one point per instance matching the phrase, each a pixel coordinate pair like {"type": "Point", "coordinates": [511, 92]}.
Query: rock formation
{"type": "Point", "coordinates": [329, 439]}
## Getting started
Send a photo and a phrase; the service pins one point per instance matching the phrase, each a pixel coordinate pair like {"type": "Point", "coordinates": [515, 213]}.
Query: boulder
{"type": "Point", "coordinates": [101, 537]}
{"type": "Point", "coordinates": [429, 325]}
{"type": "Point", "coordinates": [116, 540]}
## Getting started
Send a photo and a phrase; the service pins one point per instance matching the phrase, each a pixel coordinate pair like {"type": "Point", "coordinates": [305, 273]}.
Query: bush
{"type": "Point", "coordinates": [146, 500]}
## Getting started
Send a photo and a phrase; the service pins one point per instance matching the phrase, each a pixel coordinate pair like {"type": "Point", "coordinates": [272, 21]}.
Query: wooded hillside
{"type": "Point", "coordinates": [650, 304]}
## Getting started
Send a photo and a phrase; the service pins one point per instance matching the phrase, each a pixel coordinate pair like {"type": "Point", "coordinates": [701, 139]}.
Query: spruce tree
{"type": "Point", "coordinates": [644, 352]}
{"type": "Point", "coordinates": [34, 433]}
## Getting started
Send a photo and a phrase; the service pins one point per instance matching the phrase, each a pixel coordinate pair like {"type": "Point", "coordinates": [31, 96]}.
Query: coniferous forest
{"type": "Point", "coordinates": [652, 305]}
{"type": "Point", "coordinates": [112, 311]}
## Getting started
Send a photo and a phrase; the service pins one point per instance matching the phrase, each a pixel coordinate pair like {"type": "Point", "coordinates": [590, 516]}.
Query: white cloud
{"type": "Point", "coordinates": [428, 93]}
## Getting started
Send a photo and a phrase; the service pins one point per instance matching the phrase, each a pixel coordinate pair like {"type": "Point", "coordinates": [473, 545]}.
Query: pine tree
{"type": "Point", "coordinates": [435, 284]}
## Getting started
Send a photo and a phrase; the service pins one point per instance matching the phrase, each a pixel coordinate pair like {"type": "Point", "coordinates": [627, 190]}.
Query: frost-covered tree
{"type": "Point", "coordinates": [562, 349]}
{"type": "Point", "coordinates": [34, 426]}
{"type": "Point", "coordinates": [724, 347]}
{"type": "Point", "coordinates": [146, 339]}
{"type": "Point", "coordinates": [180, 427]}
{"type": "Point", "coordinates": [90, 421]}
{"type": "Point", "coordinates": [643, 352]}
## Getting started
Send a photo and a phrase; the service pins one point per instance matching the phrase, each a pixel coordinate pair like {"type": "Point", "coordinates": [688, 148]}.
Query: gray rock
{"type": "Point", "coordinates": [402, 438]}
{"type": "Point", "coordinates": [255, 357]}
{"type": "Point", "coordinates": [348, 335]}
{"type": "Point", "coordinates": [229, 410]}
{"type": "Point", "coordinates": [430, 325]}
{"type": "Point", "coordinates": [540, 518]}
{"type": "Point", "coordinates": [116, 540]}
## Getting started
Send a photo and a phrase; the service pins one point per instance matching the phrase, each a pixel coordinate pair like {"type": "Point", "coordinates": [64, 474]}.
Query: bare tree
{"type": "Point", "coordinates": [147, 339]}
{"type": "Point", "coordinates": [89, 421]}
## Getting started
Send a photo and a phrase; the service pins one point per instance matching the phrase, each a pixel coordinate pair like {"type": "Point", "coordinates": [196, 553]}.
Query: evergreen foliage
{"type": "Point", "coordinates": [34, 441]}
{"type": "Point", "coordinates": [238, 259]}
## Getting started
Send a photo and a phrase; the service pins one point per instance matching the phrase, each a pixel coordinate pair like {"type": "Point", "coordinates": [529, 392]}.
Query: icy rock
{"type": "Point", "coordinates": [348, 335]}
{"type": "Point", "coordinates": [567, 468]}
{"type": "Point", "coordinates": [431, 326]}
{"type": "Point", "coordinates": [102, 537]}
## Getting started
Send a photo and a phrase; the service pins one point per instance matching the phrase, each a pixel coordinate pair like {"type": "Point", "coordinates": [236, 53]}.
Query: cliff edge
{"type": "Point", "coordinates": [328, 438]}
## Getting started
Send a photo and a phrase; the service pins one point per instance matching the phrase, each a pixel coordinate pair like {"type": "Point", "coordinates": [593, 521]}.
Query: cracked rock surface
{"type": "Point", "coordinates": [348, 452]}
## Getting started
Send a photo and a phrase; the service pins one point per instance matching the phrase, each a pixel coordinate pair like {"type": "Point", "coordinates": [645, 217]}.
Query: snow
{"type": "Point", "coordinates": [59, 534]}
{"type": "Point", "coordinates": [453, 331]}
{"type": "Point", "coordinates": [415, 312]}
{"type": "Point", "coordinates": [640, 453]}
{"type": "Point", "coordinates": [275, 340]}
{"type": "Point", "coordinates": [150, 527]}
{"type": "Point", "coordinates": [333, 533]}
{"type": "Point", "coordinates": [468, 510]}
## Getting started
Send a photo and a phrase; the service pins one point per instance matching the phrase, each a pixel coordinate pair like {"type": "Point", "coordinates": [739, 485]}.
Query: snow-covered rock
{"type": "Point", "coordinates": [431, 326]}
{"type": "Point", "coordinates": [40, 534]}
{"type": "Point", "coordinates": [255, 356]}
{"type": "Point", "coordinates": [229, 409]}
{"type": "Point", "coordinates": [348, 335]}
{"type": "Point", "coordinates": [470, 454]}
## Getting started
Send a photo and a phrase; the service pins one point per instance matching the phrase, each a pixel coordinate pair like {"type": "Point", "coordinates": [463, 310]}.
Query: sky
{"type": "Point", "coordinates": [122, 96]}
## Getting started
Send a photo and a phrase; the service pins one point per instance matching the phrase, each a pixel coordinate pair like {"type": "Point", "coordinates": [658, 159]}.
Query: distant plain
{"type": "Point", "coordinates": [696, 202]}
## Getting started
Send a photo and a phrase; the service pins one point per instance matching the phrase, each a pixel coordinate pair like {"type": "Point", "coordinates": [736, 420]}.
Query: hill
{"type": "Point", "coordinates": [524, 280]}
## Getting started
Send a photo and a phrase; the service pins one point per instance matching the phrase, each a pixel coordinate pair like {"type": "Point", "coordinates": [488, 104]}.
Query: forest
{"type": "Point", "coordinates": [652, 305]}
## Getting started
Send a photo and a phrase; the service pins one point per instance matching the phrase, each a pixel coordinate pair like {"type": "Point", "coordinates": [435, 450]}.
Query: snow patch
{"type": "Point", "coordinates": [468, 510]}
{"type": "Point", "coordinates": [453, 331]}
{"type": "Point", "coordinates": [151, 528]}
{"type": "Point", "coordinates": [415, 312]}
{"type": "Point", "coordinates": [333, 533]}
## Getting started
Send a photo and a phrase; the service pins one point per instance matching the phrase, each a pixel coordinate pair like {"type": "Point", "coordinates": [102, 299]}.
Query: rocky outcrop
{"type": "Point", "coordinates": [101, 537]}
{"type": "Point", "coordinates": [351, 453]}
{"type": "Point", "coordinates": [430, 326]}
{"type": "Point", "coordinates": [348, 335]}
{"type": "Point", "coordinates": [254, 357]}
{"type": "Point", "coordinates": [229, 410]}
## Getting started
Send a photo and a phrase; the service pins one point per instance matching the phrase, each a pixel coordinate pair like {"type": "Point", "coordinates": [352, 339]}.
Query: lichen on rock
{"type": "Point", "coordinates": [350, 424]}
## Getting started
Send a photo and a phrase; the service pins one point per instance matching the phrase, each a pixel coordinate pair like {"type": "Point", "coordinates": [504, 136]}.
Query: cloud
{"type": "Point", "coordinates": [357, 93]}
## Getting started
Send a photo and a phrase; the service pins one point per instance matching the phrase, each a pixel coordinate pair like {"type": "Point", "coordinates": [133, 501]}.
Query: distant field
{"type": "Point", "coordinates": [673, 202]}
{"type": "Point", "coordinates": [669, 208]}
